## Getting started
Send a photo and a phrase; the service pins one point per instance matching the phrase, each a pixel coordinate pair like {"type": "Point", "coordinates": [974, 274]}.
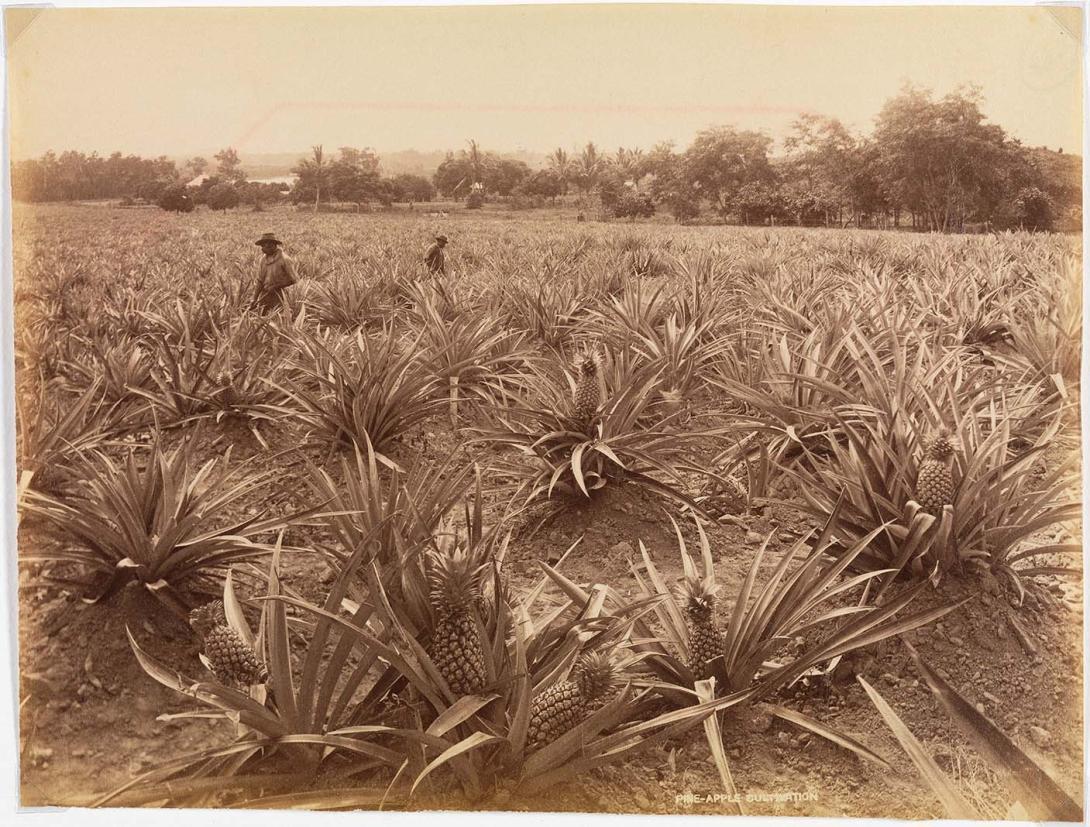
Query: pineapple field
{"type": "Point", "coordinates": [608, 518]}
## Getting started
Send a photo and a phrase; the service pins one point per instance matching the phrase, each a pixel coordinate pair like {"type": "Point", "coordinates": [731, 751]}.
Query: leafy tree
{"type": "Point", "coordinates": [407, 187]}
{"type": "Point", "coordinates": [223, 197]}
{"type": "Point", "coordinates": [935, 158]}
{"type": "Point", "coordinates": [634, 204]}
{"type": "Point", "coordinates": [722, 159]}
{"type": "Point", "coordinates": [870, 203]}
{"type": "Point", "coordinates": [471, 170]}
{"type": "Point", "coordinates": [502, 176]}
{"type": "Point", "coordinates": [151, 190]}
{"type": "Point", "coordinates": [385, 192]}
{"type": "Point", "coordinates": [818, 171]}
{"type": "Point", "coordinates": [311, 177]}
{"type": "Point", "coordinates": [229, 166]}
{"type": "Point", "coordinates": [258, 194]}
{"type": "Point", "coordinates": [670, 185]}
{"type": "Point", "coordinates": [1059, 175]}
{"type": "Point", "coordinates": [545, 183]}
{"type": "Point", "coordinates": [454, 176]}
{"type": "Point", "coordinates": [200, 194]}
{"type": "Point", "coordinates": [355, 177]}
{"type": "Point", "coordinates": [609, 190]}
{"type": "Point", "coordinates": [683, 204]}
{"type": "Point", "coordinates": [1033, 209]}
{"type": "Point", "coordinates": [757, 201]}
{"type": "Point", "coordinates": [939, 159]}
{"type": "Point", "coordinates": [175, 198]}
{"type": "Point", "coordinates": [75, 175]}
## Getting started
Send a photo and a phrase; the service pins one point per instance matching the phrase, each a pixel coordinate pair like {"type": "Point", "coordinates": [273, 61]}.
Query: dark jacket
{"type": "Point", "coordinates": [275, 275]}
{"type": "Point", "coordinates": [434, 259]}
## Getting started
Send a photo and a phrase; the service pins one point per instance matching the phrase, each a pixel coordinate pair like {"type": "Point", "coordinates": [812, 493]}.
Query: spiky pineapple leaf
{"type": "Point", "coordinates": [474, 741]}
{"type": "Point", "coordinates": [1027, 782]}
{"type": "Point", "coordinates": [705, 691]}
{"type": "Point", "coordinates": [951, 799]}
{"type": "Point", "coordinates": [827, 732]}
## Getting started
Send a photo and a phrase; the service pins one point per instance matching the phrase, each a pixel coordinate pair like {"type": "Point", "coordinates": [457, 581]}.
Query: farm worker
{"type": "Point", "coordinates": [274, 276]}
{"type": "Point", "coordinates": [434, 257]}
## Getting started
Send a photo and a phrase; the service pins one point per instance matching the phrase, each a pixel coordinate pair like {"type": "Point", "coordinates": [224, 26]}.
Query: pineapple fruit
{"type": "Point", "coordinates": [455, 590]}
{"type": "Point", "coordinates": [588, 395]}
{"type": "Point", "coordinates": [567, 703]}
{"type": "Point", "coordinates": [232, 660]}
{"type": "Point", "coordinates": [671, 401]}
{"type": "Point", "coordinates": [935, 481]}
{"type": "Point", "coordinates": [705, 639]}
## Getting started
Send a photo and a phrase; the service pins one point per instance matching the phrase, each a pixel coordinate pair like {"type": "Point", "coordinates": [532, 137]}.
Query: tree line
{"type": "Point", "coordinates": [353, 177]}
{"type": "Point", "coordinates": [929, 163]}
{"type": "Point", "coordinates": [350, 177]}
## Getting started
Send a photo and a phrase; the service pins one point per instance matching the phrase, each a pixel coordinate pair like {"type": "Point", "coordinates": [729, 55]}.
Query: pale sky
{"type": "Point", "coordinates": [181, 81]}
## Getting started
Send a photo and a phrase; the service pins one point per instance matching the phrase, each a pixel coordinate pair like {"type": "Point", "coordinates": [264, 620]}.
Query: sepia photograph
{"type": "Point", "coordinates": [659, 409]}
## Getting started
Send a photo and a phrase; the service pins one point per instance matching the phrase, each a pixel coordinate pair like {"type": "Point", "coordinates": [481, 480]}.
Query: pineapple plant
{"type": "Point", "coordinates": [567, 703]}
{"type": "Point", "coordinates": [698, 595]}
{"type": "Point", "coordinates": [455, 586]}
{"type": "Point", "coordinates": [230, 658]}
{"type": "Point", "coordinates": [588, 394]}
{"type": "Point", "coordinates": [935, 482]}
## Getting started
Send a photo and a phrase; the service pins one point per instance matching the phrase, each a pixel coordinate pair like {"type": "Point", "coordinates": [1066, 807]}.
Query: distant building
{"type": "Point", "coordinates": [277, 179]}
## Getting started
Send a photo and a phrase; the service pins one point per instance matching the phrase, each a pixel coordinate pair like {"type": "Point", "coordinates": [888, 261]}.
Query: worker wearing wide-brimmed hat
{"type": "Point", "coordinates": [275, 275]}
{"type": "Point", "coordinates": [434, 258]}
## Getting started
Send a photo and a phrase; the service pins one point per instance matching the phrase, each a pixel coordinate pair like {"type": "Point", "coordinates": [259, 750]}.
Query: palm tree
{"type": "Point", "coordinates": [628, 161]}
{"type": "Point", "coordinates": [320, 173]}
{"type": "Point", "coordinates": [589, 167]}
{"type": "Point", "coordinates": [476, 160]}
{"type": "Point", "coordinates": [313, 171]}
{"type": "Point", "coordinates": [562, 166]}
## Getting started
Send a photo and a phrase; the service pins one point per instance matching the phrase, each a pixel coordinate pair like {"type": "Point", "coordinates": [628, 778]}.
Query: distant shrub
{"type": "Point", "coordinates": [176, 199]}
{"type": "Point", "coordinates": [223, 197]}
{"type": "Point", "coordinates": [149, 191]}
{"type": "Point", "coordinates": [1033, 209]}
{"type": "Point", "coordinates": [542, 184]}
{"type": "Point", "coordinates": [682, 205]}
{"type": "Point", "coordinates": [609, 193]}
{"type": "Point", "coordinates": [408, 187]}
{"type": "Point", "coordinates": [475, 200]}
{"type": "Point", "coordinates": [633, 205]}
